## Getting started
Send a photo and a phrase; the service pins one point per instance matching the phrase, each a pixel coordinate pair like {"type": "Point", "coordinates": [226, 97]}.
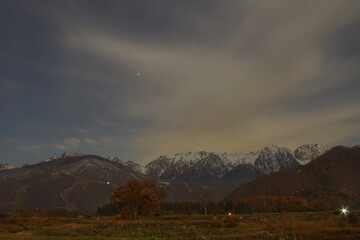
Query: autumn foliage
{"type": "Point", "coordinates": [137, 198]}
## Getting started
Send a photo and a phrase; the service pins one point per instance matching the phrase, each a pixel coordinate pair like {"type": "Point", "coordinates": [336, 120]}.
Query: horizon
{"type": "Point", "coordinates": [174, 154]}
{"type": "Point", "coordinates": [138, 79]}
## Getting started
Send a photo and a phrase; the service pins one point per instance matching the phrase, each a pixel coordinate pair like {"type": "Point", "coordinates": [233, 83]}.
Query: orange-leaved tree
{"type": "Point", "coordinates": [136, 198]}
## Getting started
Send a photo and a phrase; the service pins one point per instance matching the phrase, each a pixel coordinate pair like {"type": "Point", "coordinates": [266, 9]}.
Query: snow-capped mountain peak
{"type": "Point", "coordinates": [308, 152]}
{"type": "Point", "coordinates": [271, 147]}
{"type": "Point", "coordinates": [273, 158]}
{"type": "Point", "coordinates": [269, 159]}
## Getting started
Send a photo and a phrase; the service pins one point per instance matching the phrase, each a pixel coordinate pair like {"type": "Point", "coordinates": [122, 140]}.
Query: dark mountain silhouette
{"type": "Point", "coordinates": [80, 182]}
{"type": "Point", "coordinates": [336, 172]}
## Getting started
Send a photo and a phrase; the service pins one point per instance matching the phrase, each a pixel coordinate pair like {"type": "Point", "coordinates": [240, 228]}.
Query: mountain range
{"type": "Point", "coordinates": [76, 182]}
{"type": "Point", "coordinates": [334, 173]}
{"type": "Point", "coordinates": [71, 181]}
{"type": "Point", "coordinates": [233, 168]}
{"type": "Point", "coordinates": [83, 182]}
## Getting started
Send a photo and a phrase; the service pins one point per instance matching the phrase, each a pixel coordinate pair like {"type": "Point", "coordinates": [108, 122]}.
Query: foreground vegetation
{"type": "Point", "coordinates": [137, 212]}
{"type": "Point", "coordinates": [304, 226]}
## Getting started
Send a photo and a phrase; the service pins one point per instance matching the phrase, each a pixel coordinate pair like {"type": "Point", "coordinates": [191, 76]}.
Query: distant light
{"type": "Point", "coordinates": [229, 213]}
{"type": "Point", "coordinates": [107, 183]}
{"type": "Point", "coordinates": [344, 211]}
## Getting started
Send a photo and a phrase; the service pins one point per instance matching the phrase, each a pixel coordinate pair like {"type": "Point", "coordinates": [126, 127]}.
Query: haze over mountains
{"type": "Point", "coordinates": [83, 182]}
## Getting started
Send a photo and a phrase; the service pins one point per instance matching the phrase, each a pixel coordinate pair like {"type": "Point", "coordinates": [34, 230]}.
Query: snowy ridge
{"type": "Point", "coordinates": [305, 153]}
{"type": "Point", "coordinates": [115, 159]}
{"type": "Point", "coordinates": [64, 155]}
{"type": "Point", "coordinates": [174, 165]}
{"type": "Point", "coordinates": [236, 158]}
{"type": "Point", "coordinates": [273, 159]}
{"type": "Point", "coordinates": [269, 159]}
{"type": "Point", "coordinates": [4, 166]}
{"type": "Point", "coordinates": [130, 164]}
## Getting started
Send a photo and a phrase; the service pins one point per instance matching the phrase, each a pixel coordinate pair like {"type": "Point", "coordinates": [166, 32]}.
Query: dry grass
{"type": "Point", "coordinates": [304, 226]}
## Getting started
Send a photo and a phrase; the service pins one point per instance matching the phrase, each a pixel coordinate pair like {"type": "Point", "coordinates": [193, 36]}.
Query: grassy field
{"type": "Point", "coordinates": [249, 226]}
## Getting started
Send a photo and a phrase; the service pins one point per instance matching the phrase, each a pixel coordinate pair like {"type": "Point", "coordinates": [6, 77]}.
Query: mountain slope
{"type": "Point", "coordinates": [81, 182]}
{"type": "Point", "coordinates": [206, 171]}
{"type": "Point", "coordinates": [130, 164]}
{"type": "Point", "coordinates": [305, 153]}
{"type": "Point", "coordinates": [273, 159]}
{"type": "Point", "coordinates": [4, 165]}
{"type": "Point", "coordinates": [239, 175]}
{"type": "Point", "coordinates": [335, 172]}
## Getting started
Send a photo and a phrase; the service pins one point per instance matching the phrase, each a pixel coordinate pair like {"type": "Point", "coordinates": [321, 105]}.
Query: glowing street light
{"type": "Point", "coordinates": [344, 211]}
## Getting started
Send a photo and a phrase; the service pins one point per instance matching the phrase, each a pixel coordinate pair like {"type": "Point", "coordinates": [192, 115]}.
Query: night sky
{"type": "Point", "coordinates": [139, 79]}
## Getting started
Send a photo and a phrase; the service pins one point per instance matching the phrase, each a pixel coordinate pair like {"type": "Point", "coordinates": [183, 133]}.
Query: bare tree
{"type": "Point", "coordinates": [204, 200]}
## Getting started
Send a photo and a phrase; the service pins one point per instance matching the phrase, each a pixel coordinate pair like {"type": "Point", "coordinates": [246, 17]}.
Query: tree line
{"type": "Point", "coordinates": [258, 204]}
{"type": "Point", "coordinates": [146, 198]}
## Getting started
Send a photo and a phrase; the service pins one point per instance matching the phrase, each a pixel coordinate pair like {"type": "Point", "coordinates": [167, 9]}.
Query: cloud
{"type": "Point", "coordinates": [90, 142]}
{"type": "Point", "coordinates": [32, 148]}
{"type": "Point", "coordinates": [69, 144]}
{"type": "Point", "coordinates": [86, 144]}
{"type": "Point", "coordinates": [82, 131]}
{"type": "Point", "coordinates": [242, 76]}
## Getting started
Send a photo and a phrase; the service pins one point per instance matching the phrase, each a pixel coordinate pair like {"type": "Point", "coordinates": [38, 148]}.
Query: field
{"type": "Point", "coordinates": [319, 226]}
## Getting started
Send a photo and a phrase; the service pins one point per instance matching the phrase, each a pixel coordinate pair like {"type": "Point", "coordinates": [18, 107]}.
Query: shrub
{"type": "Point", "coordinates": [57, 212]}
{"type": "Point", "coordinates": [216, 223]}
{"type": "Point", "coordinates": [110, 209]}
{"type": "Point", "coordinates": [231, 221]}
{"type": "Point", "coordinates": [21, 211]}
